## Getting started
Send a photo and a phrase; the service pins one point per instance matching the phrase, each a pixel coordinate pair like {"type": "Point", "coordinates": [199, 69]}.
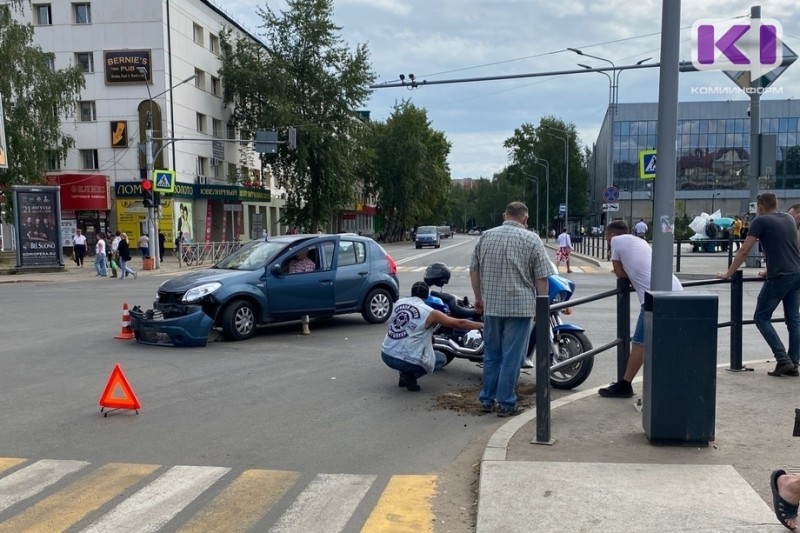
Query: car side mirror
{"type": "Point", "coordinates": [275, 270]}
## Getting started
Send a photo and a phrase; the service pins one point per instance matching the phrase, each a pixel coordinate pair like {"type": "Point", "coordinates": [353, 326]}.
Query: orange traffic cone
{"type": "Point", "coordinates": [127, 330]}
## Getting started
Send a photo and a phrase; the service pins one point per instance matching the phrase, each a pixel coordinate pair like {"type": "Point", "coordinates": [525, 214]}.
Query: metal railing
{"type": "Point", "coordinates": [199, 253]}
{"type": "Point", "coordinates": [622, 341]}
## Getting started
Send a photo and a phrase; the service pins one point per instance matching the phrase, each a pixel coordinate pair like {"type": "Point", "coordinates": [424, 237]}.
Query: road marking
{"type": "Point", "coordinates": [406, 506]}
{"type": "Point", "coordinates": [243, 503]}
{"type": "Point", "coordinates": [325, 505]}
{"type": "Point", "coordinates": [33, 479]}
{"type": "Point", "coordinates": [157, 503]}
{"type": "Point", "coordinates": [70, 505]}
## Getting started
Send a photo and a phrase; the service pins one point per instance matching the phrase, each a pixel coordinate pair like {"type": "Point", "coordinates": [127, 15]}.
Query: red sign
{"type": "Point", "coordinates": [118, 393]}
{"type": "Point", "coordinates": [83, 192]}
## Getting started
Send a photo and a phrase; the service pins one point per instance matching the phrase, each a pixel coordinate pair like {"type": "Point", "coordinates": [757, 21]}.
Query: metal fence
{"type": "Point", "coordinates": [199, 253]}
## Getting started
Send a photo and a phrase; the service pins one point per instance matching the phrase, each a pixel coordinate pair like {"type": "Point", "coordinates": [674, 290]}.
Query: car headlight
{"type": "Point", "coordinates": [196, 293]}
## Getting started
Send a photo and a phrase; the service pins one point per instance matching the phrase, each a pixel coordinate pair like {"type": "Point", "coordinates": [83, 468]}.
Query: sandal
{"type": "Point", "coordinates": [783, 509]}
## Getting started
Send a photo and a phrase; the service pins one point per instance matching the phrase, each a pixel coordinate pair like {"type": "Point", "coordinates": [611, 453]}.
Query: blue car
{"type": "Point", "coordinates": [284, 279]}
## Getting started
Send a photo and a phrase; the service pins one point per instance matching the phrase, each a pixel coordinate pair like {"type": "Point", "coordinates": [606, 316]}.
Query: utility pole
{"type": "Point", "coordinates": [152, 230]}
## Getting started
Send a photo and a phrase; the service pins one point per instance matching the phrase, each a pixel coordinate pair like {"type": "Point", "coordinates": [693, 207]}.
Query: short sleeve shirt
{"type": "Point", "coordinates": [509, 259]}
{"type": "Point", "coordinates": [777, 233]}
{"type": "Point", "coordinates": [636, 258]}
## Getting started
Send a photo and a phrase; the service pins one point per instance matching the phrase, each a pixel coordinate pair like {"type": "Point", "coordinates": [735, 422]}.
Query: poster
{"type": "Point", "coordinates": [183, 221]}
{"type": "Point", "coordinates": [38, 222]}
{"type": "Point", "coordinates": [132, 216]}
{"type": "Point", "coordinates": [68, 228]}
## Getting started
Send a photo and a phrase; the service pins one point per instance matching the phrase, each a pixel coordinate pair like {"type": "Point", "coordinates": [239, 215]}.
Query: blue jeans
{"type": "Point", "coordinates": [100, 265]}
{"type": "Point", "coordinates": [124, 269]}
{"type": "Point", "coordinates": [405, 367]}
{"type": "Point", "coordinates": [505, 344]}
{"type": "Point", "coordinates": [784, 289]}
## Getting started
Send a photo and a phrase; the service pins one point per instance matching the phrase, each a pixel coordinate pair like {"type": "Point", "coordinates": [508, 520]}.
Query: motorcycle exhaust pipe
{"type": "Point", "coordinates": [451, 346]}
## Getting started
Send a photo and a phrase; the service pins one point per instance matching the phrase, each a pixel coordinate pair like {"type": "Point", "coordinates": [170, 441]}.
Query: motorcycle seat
{"type": "Point", "coordinates": [457, 307]}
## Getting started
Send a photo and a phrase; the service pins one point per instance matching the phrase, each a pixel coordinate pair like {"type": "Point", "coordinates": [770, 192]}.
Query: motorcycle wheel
{"type": "Point", "coordinates": [571, 343]}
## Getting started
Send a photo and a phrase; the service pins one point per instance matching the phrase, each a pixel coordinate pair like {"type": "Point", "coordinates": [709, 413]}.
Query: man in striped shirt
{"type": "Point", "coordinates": [508, 267]}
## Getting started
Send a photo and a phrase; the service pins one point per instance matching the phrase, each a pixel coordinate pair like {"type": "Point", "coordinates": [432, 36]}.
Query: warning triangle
{"type": "Point", "coordinates": [118, 393]}
{"type": "Point", "coordinates": [163, 181]}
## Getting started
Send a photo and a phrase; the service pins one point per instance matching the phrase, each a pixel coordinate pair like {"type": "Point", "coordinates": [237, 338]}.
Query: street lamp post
{"type": "Point", "coordinates": [546, 165]}
{"type": "Point", "coordinates": [152, 222]}
{"type": "Point", "coordinates": [566, 171]}
{"type": "Point", "coordinates": [534, 179]}
{"type": "Point", "coordinates": [713, 196]}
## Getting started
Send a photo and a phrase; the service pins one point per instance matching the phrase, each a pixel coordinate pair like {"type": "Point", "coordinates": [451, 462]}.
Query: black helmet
{"type": "Point", "coordinates": [437, 274]}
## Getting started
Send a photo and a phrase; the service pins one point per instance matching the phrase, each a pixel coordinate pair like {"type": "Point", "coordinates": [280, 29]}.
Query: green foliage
{"type": "Point", "coordinates": [305, 77]}
{"type": "Point", "coordinates": [34, 100]}
{"type": "Point", "coordinates": [407, 169]}
{"type": "Point", "coordinates": [682, 231]}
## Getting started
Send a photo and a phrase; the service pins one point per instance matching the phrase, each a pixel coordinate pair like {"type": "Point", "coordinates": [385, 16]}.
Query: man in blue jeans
{"type": "Point", "coordinates": [508, 267]}
{"type": "Point", "coordinates": [777, 234]}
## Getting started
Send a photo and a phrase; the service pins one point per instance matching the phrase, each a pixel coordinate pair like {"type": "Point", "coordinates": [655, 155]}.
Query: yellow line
{"type": "Point", "coordinates": [68, 506]}
{"type": "Point", "coordinates": [8, 462]}
{"type": "Point", "coordinates": [243, 502]}
{"type": "Point", "coordinates": [406, 506]}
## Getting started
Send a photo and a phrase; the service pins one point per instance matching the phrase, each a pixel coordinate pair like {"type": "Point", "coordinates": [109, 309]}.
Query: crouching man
{"type": "Point", "coordinates": [408, 345]}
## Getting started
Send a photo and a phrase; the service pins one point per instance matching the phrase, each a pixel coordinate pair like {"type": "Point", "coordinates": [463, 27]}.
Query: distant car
{"type": "Point", "coordinates": [427, 236]}
{"type": "Point", "coordinates": [595, 230]}
{"type": "Point", "coordinates": [258, 285]}
{"type": "Point", "coordinates": [474, 231]}
{"type": "Point", "coordinates": [445, 232]}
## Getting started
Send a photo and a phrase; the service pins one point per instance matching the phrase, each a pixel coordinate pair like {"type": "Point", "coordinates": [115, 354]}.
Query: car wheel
{"type": "Point", "coordinates": [438, 245]}
{"type": "Point", "coordinates": [418, 247]}
{"type": "Point", "coordinates": [377, 306]}
{"type": "Point", "coordinates": [239, 321]}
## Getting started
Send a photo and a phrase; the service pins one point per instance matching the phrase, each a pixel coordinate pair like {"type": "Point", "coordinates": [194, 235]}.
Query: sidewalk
{"type": "Point", "coordinates": [72, 273]}
{"type": "Point", "coordinates": [602, 473]}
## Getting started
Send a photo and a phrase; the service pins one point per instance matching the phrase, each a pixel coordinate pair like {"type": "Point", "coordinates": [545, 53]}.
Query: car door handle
{"type": "Point", "coordinates": [326, 281]}
{"type": "Point", "coordinates": [363, 273]}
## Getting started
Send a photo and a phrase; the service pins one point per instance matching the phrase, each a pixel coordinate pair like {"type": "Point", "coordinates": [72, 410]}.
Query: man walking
{"type": "Point", "coordinates": [509, 265]}
{"type": "Point", "coordinates": [631, 258]}
{"type": "Point", "coordinates": [564, 249]}
{"type": "Point", "coordinates": [777, 234]}
{"type": "Point", "coordinates": [640, 229]}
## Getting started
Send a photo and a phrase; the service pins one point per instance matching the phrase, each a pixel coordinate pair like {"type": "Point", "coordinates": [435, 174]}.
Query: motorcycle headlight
{"type": "Point", "coordinates": [196, 293]}
{"type": "Point", "coordinates": [557, 298]}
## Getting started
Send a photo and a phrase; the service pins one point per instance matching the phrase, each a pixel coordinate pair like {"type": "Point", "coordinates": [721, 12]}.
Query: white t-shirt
{"type": "Point", "coordinates": [79, 240]}
{"type": "Point", "coordinates": [636, 258]}
{"type": "Point", "coordinates": [640, 227]}
{"type": "Point", "coordinates": [564, 240]}
{"type": "Point", "coordinates": [100, 247]}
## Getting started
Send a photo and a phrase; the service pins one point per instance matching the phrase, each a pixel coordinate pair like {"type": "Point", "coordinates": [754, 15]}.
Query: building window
{"type": "Point", "coordinates": [202, 166]}
{"type": "Point", "coordinates": [50, 62]}
{"type": "Point", "coordinates": [42, 14]}
{"type": "Point", "coordinates": [88, 112]}
{"type": "Point", "coordinates": [231, 130]}
{"type": "Point", "coordinates": [197, 34]}
{"type": "Point", "coordinates": [218, 129]}
{"type": "Point", "coordinates": [213, 43]}
{"type": "Point", "coordinates": [216, 88]}
{"type": "Point", "coordinates": [82, 13]}
{"type": "Point", "coordinates": [51, 160]}
{"type": "Point", "coordinates": [199, 79]}
{"type": "Point", "coordinates": [89, 160]}
{"type": "Point", "coordinates": [201, 123]}
{"type": "Point", "coordinates": [86, 61]}
{"type": "Point", "coordinates": [215, 169]}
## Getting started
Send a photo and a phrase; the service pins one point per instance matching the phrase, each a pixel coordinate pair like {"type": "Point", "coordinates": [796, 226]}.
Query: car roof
{"type": "Point", "coordinates": [298, 237]}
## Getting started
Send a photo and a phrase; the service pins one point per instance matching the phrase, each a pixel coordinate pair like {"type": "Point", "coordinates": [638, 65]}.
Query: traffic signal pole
{"type": "Point", "coordinates": [152, 229]}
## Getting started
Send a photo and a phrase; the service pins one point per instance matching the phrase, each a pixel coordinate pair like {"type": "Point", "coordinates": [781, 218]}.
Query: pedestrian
{"type": "Point", "coordinates": [641, 229]}
{"type": "Point", "coordinates": [553, 233]}
{"type": "Point", "coordinates": [508, 266]}
{"type": "Point", "coordinates": [124, 250]}
{"type": "Point", "coordinates": [777, 234]}
{"type": "Point", "coordinates": [162, 239]}
{"type": "Point", "coordinates": [736, 230]}
{"type": "Point", "coordinates": [631, 258]}
{"type": "Point", "coordinates": [794, 210]}
{"type": "Point", "coordinates": [144, 246]}
{"type": "Point", "coordinates": [299, 264]}
{"type": "Point", "coordinates": [264, 235]}
{"type": "Point", "coordinates": [114, 254]}
{"type": "Point", "coordinates": [785, 497]}
{"type": "Point", "coordinates": [564, 249]}
{"type": "Point", "coordinates": [408, 344]}
{"type": "Point", "coordinates": [79, 245]}
{"type": "Point", "coordinates": [100, 255]}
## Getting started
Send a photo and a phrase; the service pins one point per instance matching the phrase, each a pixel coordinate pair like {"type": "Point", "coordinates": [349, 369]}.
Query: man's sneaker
{"type": "Point", "coordinates": [502, 412]}
{"type": "Point", "coordinates": [794, 373]}
{"type": "Point", "coordinates": [487, 407]}
{"type": "Point", "coordinates": [784, 369]}
{"type": "Point", "coordinates": [617, 390]}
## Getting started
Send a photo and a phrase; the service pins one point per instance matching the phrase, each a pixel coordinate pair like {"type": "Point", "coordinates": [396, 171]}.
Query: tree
{"type": "Point", "coordinates": [35, 98]}
{"type": "Point", "coordinates": [302, 76]}
{"type": "Point", "coordinates": [409, 172]}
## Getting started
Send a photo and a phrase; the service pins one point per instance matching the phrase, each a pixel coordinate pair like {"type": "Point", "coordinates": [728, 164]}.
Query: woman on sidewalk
{"type": "Point", "coordinates": [124, 250]}
{"type": "Point", "coordinates": [100, 255]}
{"type": "Point", "coordinates": [79, 244]}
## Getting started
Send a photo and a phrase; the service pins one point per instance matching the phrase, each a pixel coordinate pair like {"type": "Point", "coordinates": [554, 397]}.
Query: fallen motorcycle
{"type": "Point", "coordinates": [566, 340]}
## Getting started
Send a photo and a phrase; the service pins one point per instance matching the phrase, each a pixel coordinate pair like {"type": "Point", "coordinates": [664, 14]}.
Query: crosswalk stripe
{"type": "Point", "coordinates": [9, 462]}
{"type": "Point", "coordinates": [325, 505]}
{"type": "Point", "coordinates": [406, 506]}
{"type": "Point", "coordinates": [33, 479]}
{"type": "Point", "coordinates": [248, 498]}
{"type": "Point", "coordinates": [71, 504]}
{"type": "Point", "coordinates": [158, 502]}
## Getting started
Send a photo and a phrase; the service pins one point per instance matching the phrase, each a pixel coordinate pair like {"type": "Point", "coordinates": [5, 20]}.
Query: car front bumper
{"type": "Point", "coordinates": [177, 325]}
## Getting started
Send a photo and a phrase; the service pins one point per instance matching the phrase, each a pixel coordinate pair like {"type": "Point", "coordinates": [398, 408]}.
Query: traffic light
{"type": "Point", "coordinates": [156, 199]}
{"type": "Point", "coordinates": [147, 193]}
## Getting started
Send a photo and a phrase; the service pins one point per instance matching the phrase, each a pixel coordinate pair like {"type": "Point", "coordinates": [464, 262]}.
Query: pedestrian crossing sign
{"type": "Point", "coordinates": [647, 164]}
{"type": "Point", "coordinates": [164, 180]}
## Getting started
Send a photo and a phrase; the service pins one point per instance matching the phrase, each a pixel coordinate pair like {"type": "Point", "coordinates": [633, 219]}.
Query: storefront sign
{"type": "Point", "coordinates": [83, 192]}
{"type": "Point", "coordinates": [122, 66]}
{"type": "Point", "coordinates": [37, 216]}
{"type": "Point", "coordinates": [131, 213]}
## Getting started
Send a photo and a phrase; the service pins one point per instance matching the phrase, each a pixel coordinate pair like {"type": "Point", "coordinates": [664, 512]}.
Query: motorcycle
{"type": "Point", "coordinates": [566, 340]}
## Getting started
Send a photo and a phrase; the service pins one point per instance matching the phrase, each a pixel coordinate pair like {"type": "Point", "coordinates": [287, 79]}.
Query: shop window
{"type": "Point", "coordinates": [89, 160]}
{"type": "Point", "coordinates": [42, 14]}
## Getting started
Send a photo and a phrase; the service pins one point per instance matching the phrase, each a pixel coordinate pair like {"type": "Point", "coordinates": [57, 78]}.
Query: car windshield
{"type": "Point", "coordinates": [251, 256]}
{"type": "Point", "coordinates": [425, 230]}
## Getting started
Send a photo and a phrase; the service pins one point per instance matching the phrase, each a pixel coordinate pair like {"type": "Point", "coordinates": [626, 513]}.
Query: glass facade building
{"type": "Point", "coordinates": [713, 155]}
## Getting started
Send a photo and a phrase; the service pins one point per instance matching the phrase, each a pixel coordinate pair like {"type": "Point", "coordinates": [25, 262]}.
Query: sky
{"type": "Point", "coordinates": [461, 39]}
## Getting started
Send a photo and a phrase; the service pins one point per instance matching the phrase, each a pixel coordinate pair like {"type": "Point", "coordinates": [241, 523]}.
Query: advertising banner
{"type": "Point", "coordinates": [37, 214]}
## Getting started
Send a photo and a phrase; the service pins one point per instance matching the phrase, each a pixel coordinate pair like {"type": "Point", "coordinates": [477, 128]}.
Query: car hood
{"type": "Point", "coordinates": [193, 279]}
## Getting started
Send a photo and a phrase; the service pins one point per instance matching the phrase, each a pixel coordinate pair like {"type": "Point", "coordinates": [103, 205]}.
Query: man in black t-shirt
{"type": "Point", "coordinates": [777, 234]}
